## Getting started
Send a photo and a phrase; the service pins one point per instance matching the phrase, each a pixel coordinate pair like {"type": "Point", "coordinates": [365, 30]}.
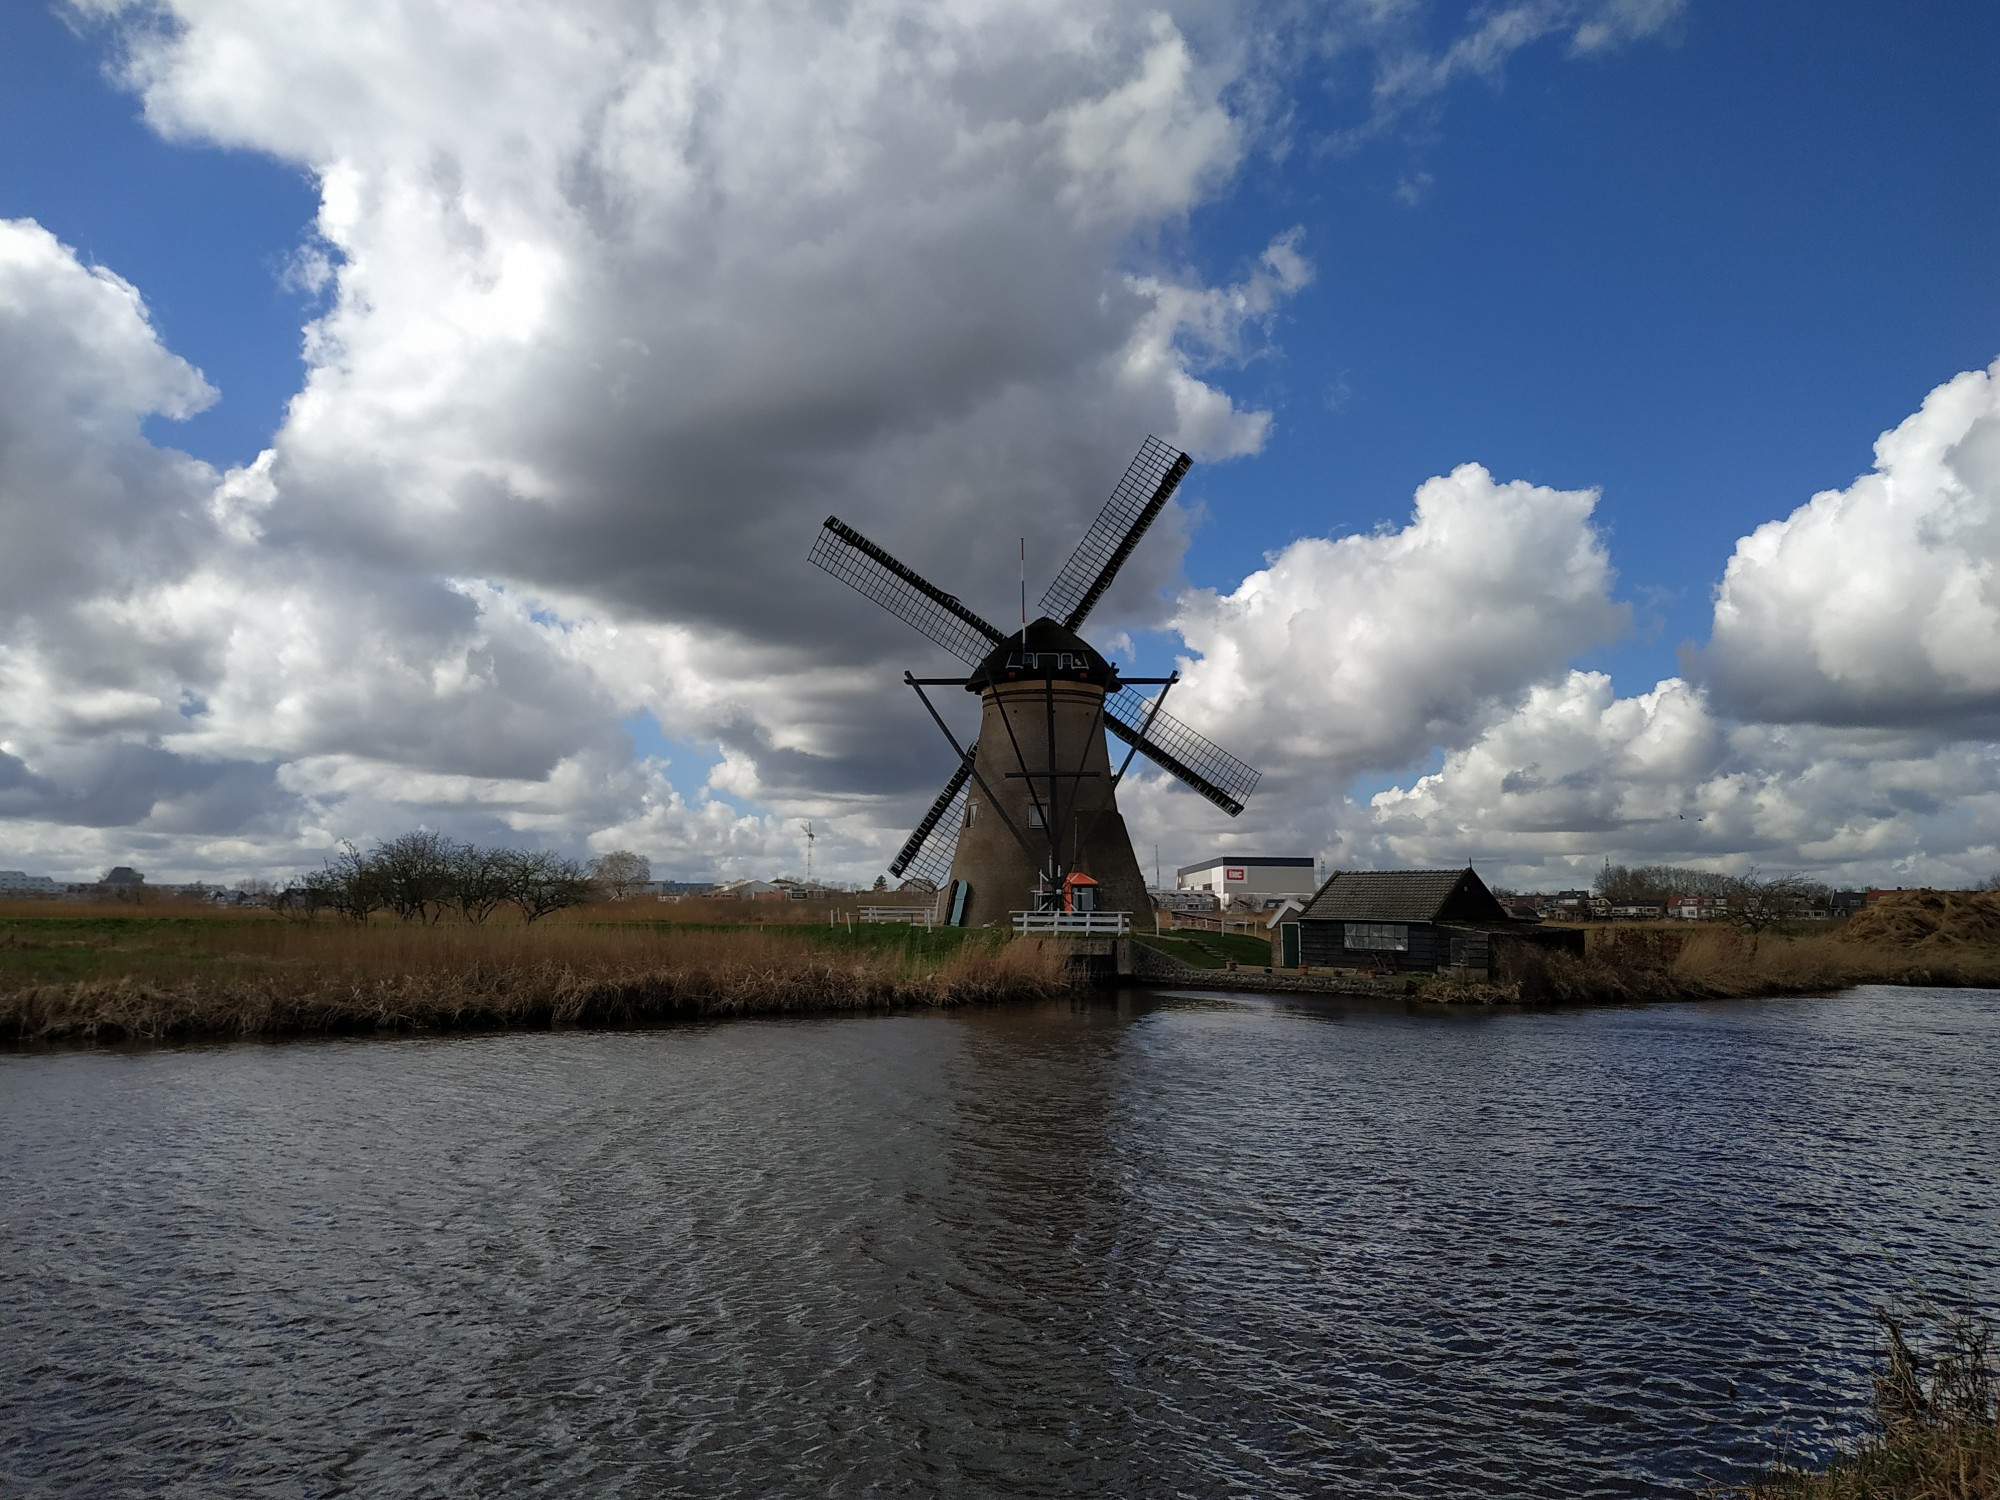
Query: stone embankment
{"type": "Point", "coordinates": [1137, 963]}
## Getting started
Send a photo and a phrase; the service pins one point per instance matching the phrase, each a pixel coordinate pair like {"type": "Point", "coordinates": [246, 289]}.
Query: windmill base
{"type": "Point", "coordinates": [1046, 723]}
{"type": "Point", "coordinates": [1002, 880]}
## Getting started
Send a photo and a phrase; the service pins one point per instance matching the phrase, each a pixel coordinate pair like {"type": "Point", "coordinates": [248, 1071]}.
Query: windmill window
{"type": "Point", "coordinates": [1045, 661]}
{"type": "Point", "coordinates": [1379, 937]}
{"type": "Point", "coordinates": [971, 813]}
{"type": "Point", "coordinates": [1037, 816]}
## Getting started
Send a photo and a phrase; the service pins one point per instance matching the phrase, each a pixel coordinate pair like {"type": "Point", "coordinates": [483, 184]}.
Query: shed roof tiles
{"type": "Point", "coordinates": [1403, 896]}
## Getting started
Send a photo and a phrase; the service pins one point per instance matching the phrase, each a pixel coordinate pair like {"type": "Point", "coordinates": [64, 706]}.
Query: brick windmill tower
{"type": "Point", "coordinates": [1029, 820]}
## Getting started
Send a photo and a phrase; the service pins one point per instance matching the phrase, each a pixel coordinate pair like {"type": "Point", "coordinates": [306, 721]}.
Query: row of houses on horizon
{"type": "Point", "coordinates": [1233, 883]}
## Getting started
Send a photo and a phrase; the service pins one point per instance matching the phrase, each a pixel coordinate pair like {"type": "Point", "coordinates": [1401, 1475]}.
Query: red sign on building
{"type": "Point", "coordinates": [1234, 872]}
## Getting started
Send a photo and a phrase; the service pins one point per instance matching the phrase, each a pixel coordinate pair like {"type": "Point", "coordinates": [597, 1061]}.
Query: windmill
{"type": "Point", "coordinates": [1029, 819]}
{"type": "Point", "coordinates": [809, 853]}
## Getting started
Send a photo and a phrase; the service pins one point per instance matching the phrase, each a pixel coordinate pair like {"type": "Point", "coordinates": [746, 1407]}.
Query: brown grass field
{"type": "Point", "coordinates": [92, 972]}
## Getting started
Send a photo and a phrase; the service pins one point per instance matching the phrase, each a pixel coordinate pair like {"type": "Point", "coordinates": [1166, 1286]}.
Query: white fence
{"type": "Point", "coordinates": [1090, 923]}
{"type": "Point", "coordinates": [924, 914]}
{"type": "Point", "coordinates": [1208, 921]}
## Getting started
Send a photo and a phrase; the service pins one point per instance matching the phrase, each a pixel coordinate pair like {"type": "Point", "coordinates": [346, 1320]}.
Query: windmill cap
{"type": "Point", "coordinates": [1046, 649]}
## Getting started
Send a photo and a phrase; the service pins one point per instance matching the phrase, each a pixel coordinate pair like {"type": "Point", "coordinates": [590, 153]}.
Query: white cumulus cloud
{"type": "Point", "coordinates": [622, 301]}
{"type": "Point", "coordinates": [1879, 603]}
{"type": "Point", "coordinates": [1359, 653]}
{"type": "Point", "coordinates": [1578, 774]}
{"type": "Point", "coordinates": [1843, 726]}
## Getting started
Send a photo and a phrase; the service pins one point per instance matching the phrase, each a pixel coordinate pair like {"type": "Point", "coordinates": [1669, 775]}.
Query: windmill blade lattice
{"type": "Point", "coordinates": [927, 852]}
{"type": "Point", "coordinates": [906, 594]}
{"type": "Point", "coordinates": [1150, 481]}
{"type": "Point", "coordinates": [1180, 751]}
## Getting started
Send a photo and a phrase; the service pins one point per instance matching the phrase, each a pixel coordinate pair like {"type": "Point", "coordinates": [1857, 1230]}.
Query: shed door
{"type": "Point", "coordinates": [1288, 944]}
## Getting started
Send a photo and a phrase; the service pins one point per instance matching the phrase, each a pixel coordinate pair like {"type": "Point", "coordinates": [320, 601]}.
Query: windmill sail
{"type": "Point", "coordinates": [927, 852]}
{"type": "Point", "coordinates": [1180, 751]}
{"type": "Point", "coordinates": [906, 594]}
{"type": "Point", "coordinates": [1150, 481]}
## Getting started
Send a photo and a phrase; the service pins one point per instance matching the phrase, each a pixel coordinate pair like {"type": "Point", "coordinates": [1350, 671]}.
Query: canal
{"type": "Point", "coordinates": [1158, 1245]}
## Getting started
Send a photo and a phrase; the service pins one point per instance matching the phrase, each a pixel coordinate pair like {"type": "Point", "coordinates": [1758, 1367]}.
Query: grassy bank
{"type": "Point", "coordinates": [1936, 1429]}
{"type": "Point", "coordinates": [87, 971]}
{"type": "Point", "coordinates": [1948, 938]}
{"type": "Point", "coordinates": [156, 975]}
{"type": "Point", "coordinates": [1209, 950]}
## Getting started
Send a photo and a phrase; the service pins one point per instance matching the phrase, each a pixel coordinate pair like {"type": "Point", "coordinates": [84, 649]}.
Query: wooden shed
{"type": "Point", "coordinates": [1411, 921]}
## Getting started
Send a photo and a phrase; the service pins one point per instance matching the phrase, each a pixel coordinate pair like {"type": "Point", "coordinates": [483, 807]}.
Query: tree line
{"type": "Point", "coordinates": [1657, 885]}
{"type": "Point", "coordinates": [423, 876]}
{"type": "Point", "coordinates": [1753, 901]}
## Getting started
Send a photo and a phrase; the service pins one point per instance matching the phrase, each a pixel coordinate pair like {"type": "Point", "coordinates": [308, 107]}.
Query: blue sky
{"type": "Point", "coordinates": [1700, 275]}
{"type": "Point", "coordinates": [1699, 271]}
{"type": "Point", "coordinates": [207, 235]}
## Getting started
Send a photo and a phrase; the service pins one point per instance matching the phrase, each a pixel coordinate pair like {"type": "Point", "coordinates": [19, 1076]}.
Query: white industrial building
{"type": "Point", "coordinates": [21, 883]}
{"type": "Point", "coordinates": [1254, 880]}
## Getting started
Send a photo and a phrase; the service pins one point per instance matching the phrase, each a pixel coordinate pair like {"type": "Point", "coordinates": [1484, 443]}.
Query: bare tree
{"type": "Point", "coordinates": [301, 900]}
{"type": "Point", "coordinates": [1758, 904]}
{"type": "Point", "coordinates": [348, 884]}
{"type": "Point", "coordinates": [620, 873]}
{"type": "Point", "coordinates": [540, 883]}
{"type": "Point", "coordinates": [1657, 885]}
{"type": "Point", "coordinates": [415, 871]}
{"type": "Point", "coordinates": [481, 880]}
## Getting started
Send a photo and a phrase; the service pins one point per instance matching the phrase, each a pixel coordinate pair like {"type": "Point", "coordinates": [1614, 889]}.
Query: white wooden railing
{"type": "Point", "coordinates": [1091, 923]}
{"type": "Point", "coordinates": [923, 914]}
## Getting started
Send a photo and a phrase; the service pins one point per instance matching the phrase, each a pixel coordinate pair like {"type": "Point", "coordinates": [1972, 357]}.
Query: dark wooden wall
{"type": "Point", "coordinates": [1322, 945]}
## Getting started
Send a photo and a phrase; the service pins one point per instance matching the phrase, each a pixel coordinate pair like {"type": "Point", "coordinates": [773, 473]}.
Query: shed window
{"type": "Point", "coordinates": [1381, 937]}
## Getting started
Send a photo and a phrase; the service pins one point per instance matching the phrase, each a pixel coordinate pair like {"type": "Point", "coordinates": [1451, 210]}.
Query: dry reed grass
{"type": "Point", "coordinates": [1930, 920]}
{"type": "Point", "coordinates": [1937, 1432]}
{"type": "Point", "coordinates": [154, 905]}
{"type": "Point", "coordinates": [279, 978]}
{"type": "Point", "coordinates": [1885, 946]}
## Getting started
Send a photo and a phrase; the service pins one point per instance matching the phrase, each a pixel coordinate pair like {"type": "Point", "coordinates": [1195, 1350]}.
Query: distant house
{"type": "Point", "coordinates": [747, 890]}
{"type": "Point", "coordinates": [1698, 908]}
{"type": "Point", "coordinates": [122, 877]}
{"type": "Point", "coordinates": [806, 890]}
{"type": "Point", "coordinates": [665, 888]}
{"type": "Point", "coordinates": [1410, 921]}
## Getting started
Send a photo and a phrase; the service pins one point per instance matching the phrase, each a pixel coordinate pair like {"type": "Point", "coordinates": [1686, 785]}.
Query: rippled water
{"type": "Point", "coordinates": [1173, 1245]}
